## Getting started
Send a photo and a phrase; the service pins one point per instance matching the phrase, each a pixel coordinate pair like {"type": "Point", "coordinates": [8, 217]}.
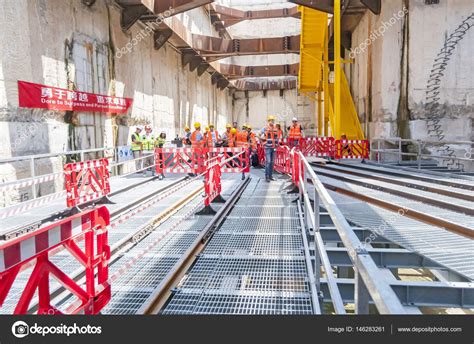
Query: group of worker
{"type": "Point", "coordinates": [143, 147]}
{"type": "Point", "coordinates": [270, 136]}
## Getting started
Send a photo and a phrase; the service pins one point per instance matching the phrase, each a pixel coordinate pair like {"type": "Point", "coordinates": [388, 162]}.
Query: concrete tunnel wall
{"type": "Point", "coordinates": [393, 103]}
{"type": "Point", "coordinates": [46, 49]}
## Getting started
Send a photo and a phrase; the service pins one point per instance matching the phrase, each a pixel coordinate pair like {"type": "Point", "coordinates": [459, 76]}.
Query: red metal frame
{"type": "Point", "coordinates": [180, 160]}
{"type": "Point", "coordinates": [352, 149]}
{"type": "Point", "coordinates": [234, 163]}
{"type": "Point", "coordinates": [34, 249]}
{"type": "Point", "coordinates": [213, 185]}
{"type": "Point", "coordinates": [86, 181]}
{"type": "Point", "coordinates": [282, 160]}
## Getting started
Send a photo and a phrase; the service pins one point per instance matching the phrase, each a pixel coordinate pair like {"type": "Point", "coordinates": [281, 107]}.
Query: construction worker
{"type": "Point", "coordinates": [295, 133]}
{"type": "Point", "coordinates": [212, 137]}
{"type": "Point", "coordinates": [346, 149]}
{"type": "Point", "coordinates": [197, 138]}
{"type": "Point", "coordinates": [271, 139]}
{"type": "Point", "coordinates": [280, 132]}
{"type": "Point", "coordinates": [148, 140]}
{"type": "Point", "coordinates": [232, 138]}
{"type": "Point", "coordinates": [242, 141]}
{"type": "Point", "coordinates": [137, 148]}
{"type": "Point", "coordinates": [227, 137]}
{"type": "Point", "coordinates": [252, 138]}
{"type": "Point", "coordinates": [160, 143]}
{"type": "Point", "coordinates": [187, 135]}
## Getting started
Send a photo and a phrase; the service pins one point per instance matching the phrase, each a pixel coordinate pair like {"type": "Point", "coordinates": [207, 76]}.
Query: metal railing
{"type": "Point", "coordinates": [368, 281]}
{"type": "Point", "coordinates": [380, 153]}
{"type": "Point", "coordinates": [34, 179]}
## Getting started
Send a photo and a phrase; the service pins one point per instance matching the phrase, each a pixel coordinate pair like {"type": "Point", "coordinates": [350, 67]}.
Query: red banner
{"type": "Point", "coordinates": [45, 97]}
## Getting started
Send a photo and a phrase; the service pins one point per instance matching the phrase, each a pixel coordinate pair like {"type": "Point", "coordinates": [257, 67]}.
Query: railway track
{"type": "Point", "coordinates": [429, 203]}
{"type": "Point", "coordinates": [129, 223]}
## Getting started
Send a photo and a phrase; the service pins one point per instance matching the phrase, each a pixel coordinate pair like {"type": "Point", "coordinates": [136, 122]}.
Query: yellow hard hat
{"type": "Point", "coordinates": [207, 128]}
{"type": "Point", "coordinates": [249, 126]}
{"type": "Point", "coordinates": [228, 125]}
{"type": "Point", "coordinates": [271, 118]}
{"type": "Point", "coordinates": [197, 125]}
{"type": "Point", "coordinates": [233, 131]}
{"type": "Point", "coordinates": [186, 128]}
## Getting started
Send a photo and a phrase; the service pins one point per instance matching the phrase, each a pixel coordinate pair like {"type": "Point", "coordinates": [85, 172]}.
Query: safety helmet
{"type": "Point", "coordinates": [228, 125]}
{"type": "Point", "coordinates": [233, 131]}
{"type": "Point", "coordinates": [197, 125]}
{"type": "Point", "coordinates": [244, 126]}
{"type": "Point", "coordinates": [186, 128]}
{"type": "Point", "coordinates": [207, 128]}
{"type": "Point", "coordinates": [211, 125]}
{"type": "Point", "coordinates": [139, 128]}
{"type": "Point", "coordinates": [271, 118]}
{"type": "Point", "coordinates": [249, 127]}
{"type": "Point", "coordinates": [295, 119]}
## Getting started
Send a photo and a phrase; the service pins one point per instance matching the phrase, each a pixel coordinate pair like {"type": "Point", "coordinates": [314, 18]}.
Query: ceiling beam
{"type": "Point", "coordinates": [236, 72]}
{"type": "Point", "coordinates": [174, 6]}
{"type": "Point", "coordinates": [262, 85]}
{"type": "Point", "coordinates": [223, 16]}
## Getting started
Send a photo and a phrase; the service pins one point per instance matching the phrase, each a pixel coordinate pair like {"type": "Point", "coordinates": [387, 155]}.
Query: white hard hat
{"type": "Point", "coordinates": [139, 128]}
{"type": "Point", "coordinates": [295, 119]}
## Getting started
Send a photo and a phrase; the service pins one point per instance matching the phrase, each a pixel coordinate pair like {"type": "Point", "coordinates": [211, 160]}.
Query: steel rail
{"type": "Point", "coordinates": [411, 213]}
{"type": "Point", "coordinates": [158, 299]}
{"type": "Point", "coordinates": [130, 239]}
{"type": "Point", "coordinates": [408, 184]}
{"type": "Point", "coordinates": [407, 174]}
{"type": "Point", "coordinates": [427, 200]}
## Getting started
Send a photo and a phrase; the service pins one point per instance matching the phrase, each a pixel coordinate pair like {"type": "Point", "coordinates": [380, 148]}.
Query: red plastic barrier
{"type": "Point", "coordinates": [352, 149]}
{"type": "Point", "coordinates": [283, 160]}
{"type": "Point", "coordinates": [35, 247]}
{"type": "Point", "coordinates": [317, 147]}
{"type": "Point", "coordinates": [261, 154]}
{"type": "Point", "coordinates": [180, 160]}
{"type": "Point", "coordinates": [235, 163]}
{"type": "Point", "coordinates": [86, 181]}
{"type": "Point", "coordinates": [213, 185]}
{"type": "Point", "coordinates": [296, 170]}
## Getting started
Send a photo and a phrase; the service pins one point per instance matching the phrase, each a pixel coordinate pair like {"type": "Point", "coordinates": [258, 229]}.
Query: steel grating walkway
{"type": "Point", "coordinates": [451, 250]}
{"type": "Point", "coordinates": [70, 265]}
{"type": "Point", "coordinates": [254, 264]}
{"type": "Point", "coordinates": [136, 186]}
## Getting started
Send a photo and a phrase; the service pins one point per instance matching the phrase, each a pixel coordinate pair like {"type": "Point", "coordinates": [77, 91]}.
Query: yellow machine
{"type": "Point", "coordinates": [314, 78]}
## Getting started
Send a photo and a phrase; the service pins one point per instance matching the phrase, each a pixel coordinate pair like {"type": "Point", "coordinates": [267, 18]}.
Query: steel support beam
{"type": "Point", "coordinates": [265, 85]}
{"type": "Point", "coordinates": [419, 294]}
{"type": "Point", "coordinates": [225, 16]}
{"type": "Point", "coordinates": [130, 15]}
{"type": "Point", "coordinates": [236, 71]}
{"type": "Point", "coordinates": [328, 5]}
{"type": "Point", "coordinates": [161, 37]}
{"type": "Point", "coordinates": [384, 258]}
{"type": "Point", "coordinates": [174, 6]}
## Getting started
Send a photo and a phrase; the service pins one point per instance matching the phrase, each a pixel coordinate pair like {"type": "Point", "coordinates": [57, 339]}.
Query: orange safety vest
{"type": "Point", "coordinates": [253, 140]}
{"type": "Point", "coordinates": [295, 132]}
{"type": "Point", "coordinates": [272, 134]}
{"type": "Point", "coordinates": [195, 143]}
{"type": "Point", "coordinates": [242, 139]}
{"type": "Point", "coordinates": [208, 136]}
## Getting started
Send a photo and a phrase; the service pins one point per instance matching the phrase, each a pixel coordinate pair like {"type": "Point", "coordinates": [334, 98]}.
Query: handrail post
{"type": "Point", "coordinates": [400, 157]}
{"type": "Point", "coordinates": [33, 174]}
{"type": "Point", "coordinates": [418, 157]}
{"type": "Point", "coordinates": [378, 151]}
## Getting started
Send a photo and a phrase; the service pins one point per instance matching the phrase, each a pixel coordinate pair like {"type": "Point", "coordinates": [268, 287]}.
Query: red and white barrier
{"type": "Point", "coordinates": [35, 247]}
{"type": "Point", "coordinates": [86, 181]}
{"type": "Point", "coordinates": [352, 149]}
{"type": "Point", "coordinates": [282, 160]}
{"type": "Point", "coordinates": [179, 160]}
{"type": "Point", "coordinates": [236, 160]}
{"type": "Point", "coordinates": [213, 185]}
{"type": "Point", "coordinates": [9, 186]}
